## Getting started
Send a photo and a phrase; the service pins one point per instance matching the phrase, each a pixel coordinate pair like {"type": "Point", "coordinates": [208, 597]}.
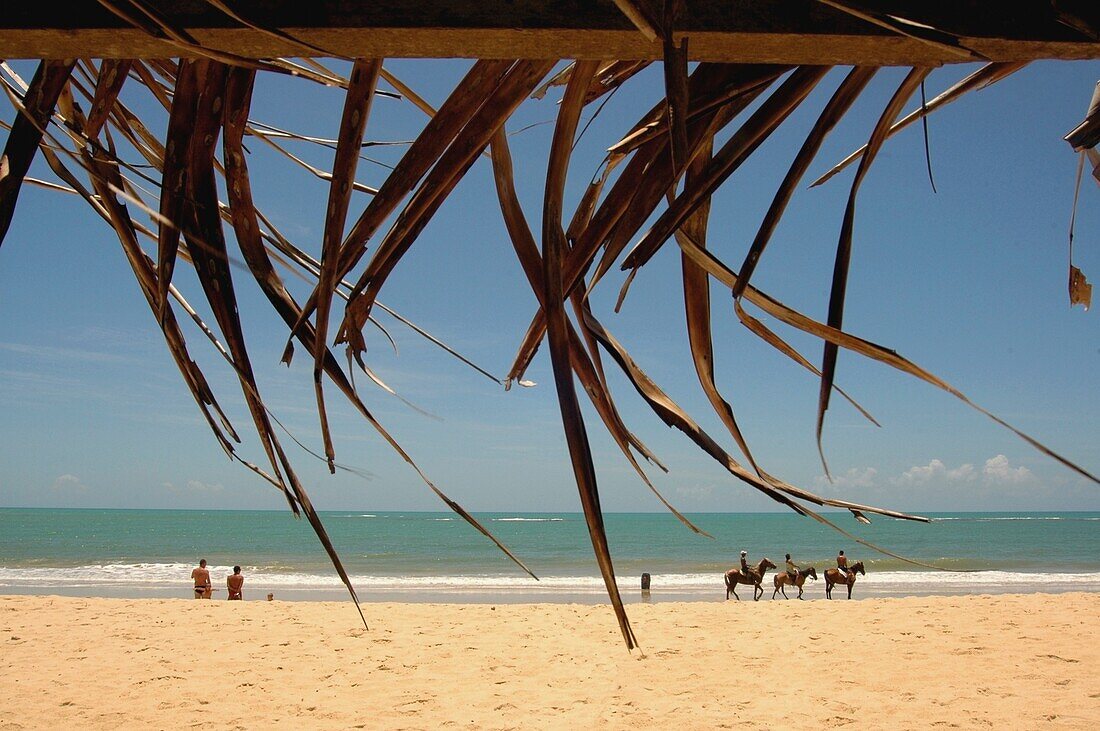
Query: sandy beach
{"type": "Point", "coordinates": [1007, 661]}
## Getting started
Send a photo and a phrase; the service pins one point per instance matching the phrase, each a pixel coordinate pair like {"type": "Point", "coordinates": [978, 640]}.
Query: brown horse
{"type": "Point", "coordinates": [735, 577]}
{"type": "Point", "coordinates": [783, 578]}
{"type": "Point", "coordinates": [833, 576]}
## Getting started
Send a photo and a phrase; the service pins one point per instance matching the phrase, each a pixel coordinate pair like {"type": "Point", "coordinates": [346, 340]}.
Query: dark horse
{"type": "Point", "coordinates": [735, 577]}
{"type": "Point", "coordinates": [783, 578]}
{"type": "Point", "coordinates": [833, 576]}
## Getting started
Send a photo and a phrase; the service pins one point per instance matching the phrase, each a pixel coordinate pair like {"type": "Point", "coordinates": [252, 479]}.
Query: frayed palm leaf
{"type": "Point", "coordinates": [554, 246]}
{"type": "Point", "coordinates": [210, 90]}
{"type": "Point", "coordinates": [844, 248]}
{"type": "Point", "coordinates": [26, 132]}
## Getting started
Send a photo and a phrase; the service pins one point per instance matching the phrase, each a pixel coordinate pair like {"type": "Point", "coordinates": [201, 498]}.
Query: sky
{"type": "Point", "coordinates": [968, 281]}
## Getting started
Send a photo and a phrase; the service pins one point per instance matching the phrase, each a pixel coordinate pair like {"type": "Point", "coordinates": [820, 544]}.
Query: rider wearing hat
{"type": "Point", "coordinates": [745, 565]}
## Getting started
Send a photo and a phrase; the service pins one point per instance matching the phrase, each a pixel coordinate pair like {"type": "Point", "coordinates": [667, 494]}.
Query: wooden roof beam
{"type": "Point", "coordinates": [748, 31]}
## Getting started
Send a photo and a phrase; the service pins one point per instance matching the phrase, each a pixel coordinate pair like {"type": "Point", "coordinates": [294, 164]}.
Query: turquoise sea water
{"type": "Point", "coordinates": [438, 557]}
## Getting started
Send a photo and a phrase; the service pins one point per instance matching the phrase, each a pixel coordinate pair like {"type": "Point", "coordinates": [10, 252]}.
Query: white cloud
{"type": "Point", "coordinates": [997, 470]}
{"type": "Point", "coordinates": [68, 483]}
{"type": "Point", "coordinates": [935, 472]}
{"type": "Point", "coordinates": [975, 485]}
{"type": "Point", "coordinates": [695, 491]}
{"type": "Point", "coordinates": [204, 487]}
{"type": "Point", "coordinates": [854, 477]}
{"type": "Point", "coordinates": [195, 487]}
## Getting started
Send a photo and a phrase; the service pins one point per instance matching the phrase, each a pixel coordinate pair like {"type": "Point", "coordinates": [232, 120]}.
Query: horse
{"type": "Point", "coordinates": [833, 576]}
{"type": "Point", "coordinates": [782, 578]}
{"type": "Point", "coordinates": [735, 577]}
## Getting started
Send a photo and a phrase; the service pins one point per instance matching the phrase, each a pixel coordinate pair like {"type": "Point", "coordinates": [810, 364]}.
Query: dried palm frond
{"type": "Point", "coordinates": [892, 20]}
{"type": "Point", "coordinates": [357, 104]}
{"type": "Point", "coordinates": [980, 79]}
{"type": "Point", "coordinates": [26, 133]}
{"type": "Point", "coordinates": [844, 248]}
{"type": "Point", "coordinates": [663, 171]}
{"type": "Point", "coordinates": [452, 165]}
{"type": "Point", "coordinates": [554, 246]}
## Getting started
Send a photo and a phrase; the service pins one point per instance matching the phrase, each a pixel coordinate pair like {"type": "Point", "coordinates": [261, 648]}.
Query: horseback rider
{"type": "Point", "coordinates": [745, 569]}
{"type": "Point", "coordinates": [792, 569]}
{"type": "Point", "coordinates": [842, 564]}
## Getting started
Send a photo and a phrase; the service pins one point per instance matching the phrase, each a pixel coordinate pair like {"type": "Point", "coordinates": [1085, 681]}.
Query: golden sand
{"type": "Point", "coordinates": [1007, 661]}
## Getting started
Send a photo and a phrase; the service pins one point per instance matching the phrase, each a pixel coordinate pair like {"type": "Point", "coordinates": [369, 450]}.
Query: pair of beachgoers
{"type": "Point", "coordinates": [234, 583]}
{"type": "Point", "coordinates": [792, 567]}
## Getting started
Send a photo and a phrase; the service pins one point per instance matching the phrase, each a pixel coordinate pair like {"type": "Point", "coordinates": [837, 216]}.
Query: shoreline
{"type": "Point", "coordinates": [483, 597]}
{"type": "Point", "coordinates": [566, 590]}
{"type": "Point", "coordinates": [1004, 661]}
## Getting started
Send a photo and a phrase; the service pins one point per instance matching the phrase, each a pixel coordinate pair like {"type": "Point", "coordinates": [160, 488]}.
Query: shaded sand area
{"type": "Point", "coordinates": [1005, 661]}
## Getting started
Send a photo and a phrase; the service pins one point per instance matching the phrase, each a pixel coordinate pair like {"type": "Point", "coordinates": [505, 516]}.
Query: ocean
{"type": "Point", "coordinates": [393, 556]}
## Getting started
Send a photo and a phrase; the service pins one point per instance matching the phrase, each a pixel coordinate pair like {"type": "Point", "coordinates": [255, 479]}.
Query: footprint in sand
{"type": "Point", "coordinates": [839, 721]}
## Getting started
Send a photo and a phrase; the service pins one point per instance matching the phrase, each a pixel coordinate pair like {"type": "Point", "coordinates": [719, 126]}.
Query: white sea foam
{"type": "Point", "coordinates": [528, 520]}
{"type": "Point", "coordinates": [165, 575]}
{"type": "Point", "coordinates": [1010, 517]}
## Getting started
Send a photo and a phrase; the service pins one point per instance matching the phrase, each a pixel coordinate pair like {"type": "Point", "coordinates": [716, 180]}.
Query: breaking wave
{"type": "Point", "coordinates": [168, 575]}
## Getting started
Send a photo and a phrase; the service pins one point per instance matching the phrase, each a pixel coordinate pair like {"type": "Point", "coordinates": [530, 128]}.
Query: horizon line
{"type": "Point", "coordinates": [521, 512]}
